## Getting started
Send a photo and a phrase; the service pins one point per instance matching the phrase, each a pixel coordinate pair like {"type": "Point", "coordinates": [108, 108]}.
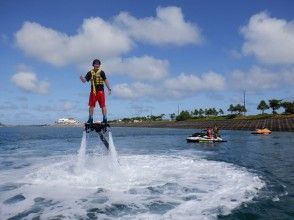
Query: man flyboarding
{"type": "Point", "coordinates": [97, 78]}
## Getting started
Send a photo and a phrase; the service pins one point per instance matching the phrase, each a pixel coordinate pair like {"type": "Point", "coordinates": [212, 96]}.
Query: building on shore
{"type": "Point", "coordinates": [67, 121]}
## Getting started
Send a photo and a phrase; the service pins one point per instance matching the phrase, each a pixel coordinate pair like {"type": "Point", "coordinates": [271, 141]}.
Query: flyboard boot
{"type": "Point", "coordinates": [101, 129]}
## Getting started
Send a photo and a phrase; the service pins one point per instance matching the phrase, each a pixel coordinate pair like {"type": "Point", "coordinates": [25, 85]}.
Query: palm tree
{"type": "Point", "coordinates": [288, 106]}
{"type": "Point", "coordinates": [275, 104]}
{"type": "Point", "coordinates": [206, 112]}
{"type": "Point", "coordinates": [201, 112]}
{"type": "Point", "coordinates": [214, 112]}
{"type": "Point", "coordinates": [196, 112]}
{"type": "Point", "coordinates": [240, 108]}
{"type": "Point", "coordinates": [220, 111]}
{"type": "Point", "coordinates": [262, 106]}
{"type": "Point", "coordinates": [231, 108]}
{"type": "Point", "coordinates": [172, 116]}
{"type": "Point", "coordinates": [161, 116]}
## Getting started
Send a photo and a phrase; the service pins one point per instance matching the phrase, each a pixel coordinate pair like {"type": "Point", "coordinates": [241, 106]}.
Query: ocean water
{"type": "Point", "coordinates": [63, 173]}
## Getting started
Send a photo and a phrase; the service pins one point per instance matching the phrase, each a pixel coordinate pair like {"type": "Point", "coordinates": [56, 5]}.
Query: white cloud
{"type": "Point", "coordinates": [146, 68]}
{"type": "Point", "coordinates": [271, 40]}
{"type": "Point", "coordinates": [134, 90]}
{"type": "Point", "coordinates": [95, 38]}
{"type": "Point", "coordinates": [123, 91]}
{"type": "Point", "coordinates": [139, 68]}
{"type": "Point", "coordinates": [208, 81]}
{"type": "Point", "coordinates": [28, 81]}
{"type": "Point", "coordinates": [171, 88]}
{"type": "Point", "coordinates": [105, 39]}
{"type": "Point", "coordinates": [261, 79]}
{"type": "Point", "coordinates": [168, 27]}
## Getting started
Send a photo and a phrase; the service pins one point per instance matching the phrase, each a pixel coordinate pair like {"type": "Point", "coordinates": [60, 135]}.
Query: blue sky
{"type": "Point", "coordinates": [157, 55]}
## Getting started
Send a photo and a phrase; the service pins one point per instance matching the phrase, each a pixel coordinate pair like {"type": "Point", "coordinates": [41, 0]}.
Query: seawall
{"type": "Point", "coordinates": [274, 124]}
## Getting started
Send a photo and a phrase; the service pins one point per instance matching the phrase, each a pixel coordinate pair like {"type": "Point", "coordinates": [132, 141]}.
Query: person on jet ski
{"type": "Point", "coordinates": [215, 131]}
{"type": "Point", "coordinates": [209, 133]}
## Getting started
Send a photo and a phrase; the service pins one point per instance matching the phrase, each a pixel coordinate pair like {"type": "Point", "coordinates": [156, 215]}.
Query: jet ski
{"type": "Point", "coordinates": [101, 129]}
{"type": "Point", "coordinates": [202, 137]}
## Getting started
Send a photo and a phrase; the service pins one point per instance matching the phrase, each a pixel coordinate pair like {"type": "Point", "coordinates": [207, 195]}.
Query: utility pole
{"type": "Point", "coordinates": [244, 100]}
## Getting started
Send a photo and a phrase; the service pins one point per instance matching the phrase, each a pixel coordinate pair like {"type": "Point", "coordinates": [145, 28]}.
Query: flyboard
{"type": "Point", "coordinates": [101, 129]}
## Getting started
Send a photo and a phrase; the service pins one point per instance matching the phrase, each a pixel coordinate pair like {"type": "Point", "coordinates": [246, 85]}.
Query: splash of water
{"type": "Point", "coordinates": [112, 150]}
{"type": "Point", "coordinates": [82, 153]}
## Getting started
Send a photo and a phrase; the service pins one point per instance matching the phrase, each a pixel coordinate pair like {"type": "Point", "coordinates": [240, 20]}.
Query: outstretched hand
{"type": "Point", "coordinates": [82, 78]}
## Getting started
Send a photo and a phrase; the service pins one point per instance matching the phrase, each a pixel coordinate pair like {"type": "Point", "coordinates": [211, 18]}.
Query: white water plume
{"type": "Point", "coordinates": [112, 150]}
{"type": "Point", "coordinates": [82, 153]}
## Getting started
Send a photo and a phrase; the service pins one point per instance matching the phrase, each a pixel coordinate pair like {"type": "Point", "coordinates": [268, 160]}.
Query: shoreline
{"type": "Point", "coordinates": [274, 124]}
{"type": "Point", "coordinates": [284, 124]}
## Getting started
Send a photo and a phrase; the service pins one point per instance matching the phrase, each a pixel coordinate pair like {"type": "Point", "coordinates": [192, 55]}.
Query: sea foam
{"type": "Point", "coordinates": [142, 187]}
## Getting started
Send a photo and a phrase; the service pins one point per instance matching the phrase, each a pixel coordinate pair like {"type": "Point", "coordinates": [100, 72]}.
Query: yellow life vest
{"type": "Point", "coordinates": [96, 79]}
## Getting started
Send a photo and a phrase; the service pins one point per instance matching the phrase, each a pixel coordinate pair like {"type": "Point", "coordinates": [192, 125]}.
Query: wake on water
{"type": "Point", "coordinates": [141, 187]}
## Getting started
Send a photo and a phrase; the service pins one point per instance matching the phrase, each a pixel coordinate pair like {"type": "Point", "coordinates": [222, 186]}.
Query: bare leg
{"type": "Point", "coordinates": [104, 113]}
{"type": "Point", "coordinates": [91, 111]}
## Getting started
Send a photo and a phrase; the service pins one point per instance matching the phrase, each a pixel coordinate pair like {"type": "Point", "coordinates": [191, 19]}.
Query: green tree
{"type": "Point", "coordinates": [231, 109]}
{"type": "Point", "coordinates": [214, 112]}
{"type": "Point", "coordinates": [262, 106]}
{"type": "Point", "coordinates": [206, 112]}
{"type": "Point", "coordinates": [274, 104]}
{"type": "Point", "coordinates": [240, 109]}
{"type": "Point", "coordinates": [184, 115]}
{"type": "Point", "coordinates": [157, 117]}
{"type": "Point", "coordinates": [201, 112]}
{"type": "Point", "coordinates": [126, 120]}
{"type": "Point", "coordinates": [220, 112]}
{"type": "Point", "coordinates": [172, 116]}
{"type": "Point", "coordinates": [211, 112]}
{"type": "Point", "coordinates": [196, 113]}
{"type": "Point", "coordinates": [288, 106]}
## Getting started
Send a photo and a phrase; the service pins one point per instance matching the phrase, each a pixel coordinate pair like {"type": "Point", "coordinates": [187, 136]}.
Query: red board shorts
{"type": "Point", "coordinates": [100, 97]}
